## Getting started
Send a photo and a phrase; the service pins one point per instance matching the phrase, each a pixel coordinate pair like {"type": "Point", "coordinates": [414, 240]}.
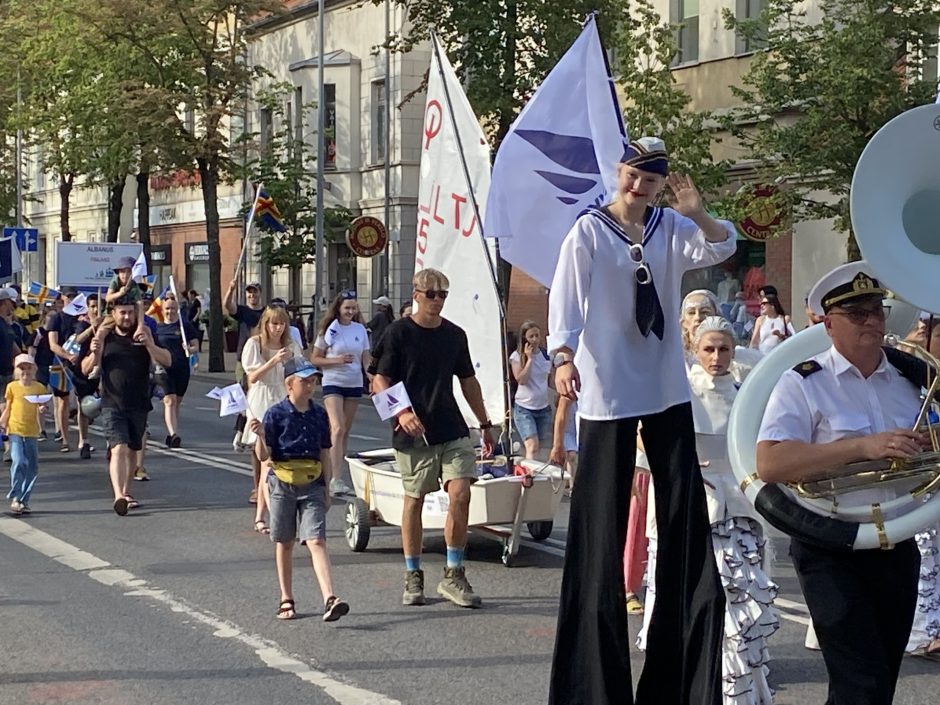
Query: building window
{"type": "Point", "coordinates": [189, 119]}
{"type": "Point", "coordinates": [685, 13]}
{"type": "Point", "coordinates": [379, 110]}
{"type": "Point", "coordinates": [265, 129]}
{"type": "Point", "coordinates": [931, 70]}
{"type": "Point", "coordinates": [750, 10]}
{"type": "Point", "coordinates": [329, 124]}
{"type": "Point", "coordinates": [299, 113]}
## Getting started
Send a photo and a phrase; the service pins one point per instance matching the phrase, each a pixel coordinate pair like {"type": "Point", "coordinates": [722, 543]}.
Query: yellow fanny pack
{"type": "Point", "coordinates": [297, 472]}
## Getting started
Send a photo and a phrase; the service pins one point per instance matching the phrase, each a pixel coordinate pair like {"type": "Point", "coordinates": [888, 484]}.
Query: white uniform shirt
{"type": "Point", "coordinates": [342, 340]}
{"type": "Point", "coordinates": [838, 402]}
{"type": "Point", "coordinates": [592, 310]}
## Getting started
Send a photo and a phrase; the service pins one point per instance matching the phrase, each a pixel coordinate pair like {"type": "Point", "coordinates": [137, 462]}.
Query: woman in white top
{"type": "Point", "coordinates": [341, 350]}
{"type": "Point", "coordinates": [772, 326]}
{"type": "Point", "coordinates": [263, 359]}
{"type": "Point", "coordinates": [531, 411]}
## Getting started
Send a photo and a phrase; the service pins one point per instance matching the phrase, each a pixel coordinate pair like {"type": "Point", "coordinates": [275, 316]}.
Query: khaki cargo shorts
{"type": "Point", "coordinates": [426, 469]}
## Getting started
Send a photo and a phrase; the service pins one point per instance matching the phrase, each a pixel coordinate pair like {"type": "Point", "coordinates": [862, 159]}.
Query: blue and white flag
{"type": "Point", "coordinates": [140, 266]}
{"type": "Point", "coordinates": [11, 261]}
{"type": "Point", "coordinates": [559, 157]}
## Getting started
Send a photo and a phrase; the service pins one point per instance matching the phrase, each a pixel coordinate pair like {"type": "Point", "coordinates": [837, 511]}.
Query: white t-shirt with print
{"type": "Point", "coordinates": [342, 340]}
{"type": "Point", "coordinates": [534, 393]}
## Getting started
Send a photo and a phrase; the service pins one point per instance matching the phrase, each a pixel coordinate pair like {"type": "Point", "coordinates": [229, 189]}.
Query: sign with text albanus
{"type": "Point", "coordinates": [90, 265]}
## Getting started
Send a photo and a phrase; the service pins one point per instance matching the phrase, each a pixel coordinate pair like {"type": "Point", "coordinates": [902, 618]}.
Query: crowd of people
{"type": "Point", "coordinates": [642, 390]}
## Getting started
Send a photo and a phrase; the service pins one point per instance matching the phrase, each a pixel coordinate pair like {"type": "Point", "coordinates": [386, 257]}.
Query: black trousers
{"type": "Point", "coordinates": [591, 664]}
{"type": "Point", "coordinates": [862, 604]}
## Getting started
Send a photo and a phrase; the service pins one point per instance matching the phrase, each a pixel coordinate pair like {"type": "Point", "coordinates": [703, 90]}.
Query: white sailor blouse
{"type": "Point", "coordinates": [592, 304]}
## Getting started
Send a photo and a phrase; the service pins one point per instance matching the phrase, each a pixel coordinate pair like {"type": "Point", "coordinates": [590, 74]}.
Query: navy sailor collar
{"type": "Point", "coordinates": [651, 220]}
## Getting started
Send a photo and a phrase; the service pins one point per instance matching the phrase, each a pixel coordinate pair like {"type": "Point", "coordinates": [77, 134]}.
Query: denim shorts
{"type": "Point", "coordinates": [533, 424]}
{"type": "Point", "coordinates": [296, 511]}
{"type": "Point", "coordinates": [345, 392]}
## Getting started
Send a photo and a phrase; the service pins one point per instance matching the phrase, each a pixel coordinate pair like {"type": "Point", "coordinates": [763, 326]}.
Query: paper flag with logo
{"type": "Point", "coordinates": [559, 157]}
{"type": "Point", "coordinates": [449, 236]}
{"type": "Point", "coordinates": [233, 400]}
{"type": "Point", "coordinates": [392, 401]}
{"type": "Point", "coordinates": [214, 393]}
{"type": "Point", "coordinates": [38, 398]}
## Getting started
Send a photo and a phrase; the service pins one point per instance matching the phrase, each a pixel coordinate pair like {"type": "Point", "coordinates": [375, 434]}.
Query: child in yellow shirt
{"type": "Point", "coordinates": [20, 418]}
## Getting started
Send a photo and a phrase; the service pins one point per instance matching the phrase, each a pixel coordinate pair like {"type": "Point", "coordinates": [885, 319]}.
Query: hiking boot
{"type": "Point", "coordinates": [414, 588]}
{"type": "Point", "coordinates": [455, 588]}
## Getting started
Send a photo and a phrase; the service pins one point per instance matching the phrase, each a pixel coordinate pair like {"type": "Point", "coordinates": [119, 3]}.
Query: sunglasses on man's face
{"type": "Point", "coordinates": [434, 293]}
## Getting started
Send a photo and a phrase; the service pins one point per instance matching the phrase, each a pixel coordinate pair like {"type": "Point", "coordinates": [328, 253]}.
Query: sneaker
{"type": "Point", "coordinates": [335, 608]}
{"type": "Point", "coordinates": [337, 486]}
{"type": "Point", "coordinates": [176, 441]}
{"type": "Point", "coordinates": [57, 437]}
{"type": "Point", "coordinates": [169, 441]}
{"type": "Point", "coordinates": [26, 509]}
{"type": "Point", "coordinates": [237, 445]}
{"type": "Point", "coordinates": [141, 474]}
{"type": "Point", "coordinates": [634, 606]}
{"type": "Point", "coordinates": [43, 436]}
{"type": "Point", "coordinates": [7, 458]}
{"type": "Point", "coordinates": [414, 588]}
{"type": "Point", "coordinates": [455, 588]}
{"type": "Point", "coordinates": [85, 452]}
{"type": "Point", "coordinates": [16, 507]}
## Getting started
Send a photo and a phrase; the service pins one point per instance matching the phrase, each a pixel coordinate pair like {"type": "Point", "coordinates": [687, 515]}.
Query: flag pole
{"type": "Point", "coordinates": [251, 220]}
{"type": "Point", "coordinates": [507, 417]}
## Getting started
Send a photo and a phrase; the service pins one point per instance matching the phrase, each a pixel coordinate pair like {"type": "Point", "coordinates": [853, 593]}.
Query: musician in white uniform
{"type": "Point", "coordinates": [614, 328]}
{"type": "Point", "coordinates": [853, 402]}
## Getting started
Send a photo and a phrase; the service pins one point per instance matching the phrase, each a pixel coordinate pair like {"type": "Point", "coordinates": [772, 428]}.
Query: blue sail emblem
{"type": "Point", "coordinates": [573, 153]}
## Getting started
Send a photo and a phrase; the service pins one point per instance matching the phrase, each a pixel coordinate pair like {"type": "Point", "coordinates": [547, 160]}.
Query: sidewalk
{"type": "Point", "coordinates": [216, 378]}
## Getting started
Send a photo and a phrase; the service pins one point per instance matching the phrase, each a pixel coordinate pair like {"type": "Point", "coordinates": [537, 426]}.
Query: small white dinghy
{"type": "Point", "coordinates": [498, 507]}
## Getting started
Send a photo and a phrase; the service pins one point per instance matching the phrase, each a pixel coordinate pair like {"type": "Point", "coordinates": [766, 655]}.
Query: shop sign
{"type": "Point", "coordinates": [367, 236]}
{"type": "Point", "coordinates": [762, 217]}
{"type": "Point", "coordinates": [160, 254]}
{"type": "Point", "coordinates": [197, 252]}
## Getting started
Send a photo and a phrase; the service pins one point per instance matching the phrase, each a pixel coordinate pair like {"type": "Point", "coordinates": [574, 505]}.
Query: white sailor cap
{"type": "Point", "coordinates": [842, 284]}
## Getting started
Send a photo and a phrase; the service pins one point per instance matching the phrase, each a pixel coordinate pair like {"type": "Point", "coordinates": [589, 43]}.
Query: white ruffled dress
{"type": "Point", "coordinates": [926, 627]}
{"type": "Point", "coordinates": [740, 549]}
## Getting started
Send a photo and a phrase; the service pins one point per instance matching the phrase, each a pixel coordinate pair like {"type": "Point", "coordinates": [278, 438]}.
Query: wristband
{"type": "Point", "coordinates": [486, 425]}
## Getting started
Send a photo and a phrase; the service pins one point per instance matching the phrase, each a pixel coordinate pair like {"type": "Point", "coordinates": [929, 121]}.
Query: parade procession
{"type": "Point", "coordinates": [585, 355]}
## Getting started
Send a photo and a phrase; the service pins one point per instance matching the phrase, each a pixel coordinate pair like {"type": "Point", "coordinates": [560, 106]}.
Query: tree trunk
{"type": "Point", "coordinates": [143, 212]}
{"type": "Point", "coordinates": [295, 293]}
{"type": "Point", "coordinates": [115, 206]}
{"type": "Point", "coordinates": [65, 193]}
{"type": "Point", "coordinates": [209, 172]}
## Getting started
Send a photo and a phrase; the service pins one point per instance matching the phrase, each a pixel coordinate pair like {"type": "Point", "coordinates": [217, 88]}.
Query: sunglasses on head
{"type": "Point", "coordinates": [434, 293]}
{"type": "Point", "coordinates": [349, 295]}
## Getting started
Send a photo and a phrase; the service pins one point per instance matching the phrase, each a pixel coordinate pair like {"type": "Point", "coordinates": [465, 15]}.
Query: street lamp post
{"type": "Point", "coordinates": [321, 155]}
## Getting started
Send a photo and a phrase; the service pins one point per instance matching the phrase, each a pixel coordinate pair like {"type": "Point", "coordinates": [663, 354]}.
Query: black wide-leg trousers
{"type": "Point", "coordinates": [591, 665]}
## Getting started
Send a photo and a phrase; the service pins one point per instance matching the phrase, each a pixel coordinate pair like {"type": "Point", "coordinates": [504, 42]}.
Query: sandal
{"type": "Point", "coordinates": [131, 502]}
{"type": "Point", "coordinates": [65, 449]}
{"type": "Point", "coordinates": [261, 527]}
{"type": "Point", "coordinates": [634, 606]}
{"type": "Point", "coordinates": [286, 610]}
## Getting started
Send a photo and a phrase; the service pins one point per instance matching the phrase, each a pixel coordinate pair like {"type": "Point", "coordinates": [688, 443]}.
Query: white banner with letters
{"type": "Point", "coordinates": [90, 265]}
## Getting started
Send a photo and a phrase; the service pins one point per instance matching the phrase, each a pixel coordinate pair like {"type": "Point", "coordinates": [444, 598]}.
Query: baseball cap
{"type": "Point", "coordinates": [125, 263]}
{"type": "Point", "coordinates": [383, 301]}
{"type": "Point", "coordinates": [253, 285]}
{"type": "Point", "coordinates": [23, 359]}
{"type": "Point", "coordinates": [300, 367]}
{"type": "Point", "coordinates": [7, 293]}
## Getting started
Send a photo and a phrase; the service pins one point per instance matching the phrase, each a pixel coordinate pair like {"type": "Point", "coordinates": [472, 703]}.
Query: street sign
{"type": "Point", "coordinates": [27, 239]}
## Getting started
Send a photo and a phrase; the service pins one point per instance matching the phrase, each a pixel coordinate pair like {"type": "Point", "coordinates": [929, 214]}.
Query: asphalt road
{"type": "Point", "coordinates": [175, 603]}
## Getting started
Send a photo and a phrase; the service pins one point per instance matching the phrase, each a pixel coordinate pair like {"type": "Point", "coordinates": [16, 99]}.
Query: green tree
{"type": "Point", "coordinates": [285, 163]}
{"type": "Point", "coordinates": [195, 50]}
{"type": "Point", "coordinates": [819, 92]}
{"type": "Point", "coordinates": [644, 50]}
{"type": "Point", "coordinates": [501, 50]}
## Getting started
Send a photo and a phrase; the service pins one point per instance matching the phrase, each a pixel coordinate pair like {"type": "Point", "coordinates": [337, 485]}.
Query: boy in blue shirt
{"type": "Point", "coordinates": [296, 475]}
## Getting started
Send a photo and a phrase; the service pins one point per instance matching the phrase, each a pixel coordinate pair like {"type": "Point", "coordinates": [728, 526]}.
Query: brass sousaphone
{"type": "Point", "coordinates": [895, 206]}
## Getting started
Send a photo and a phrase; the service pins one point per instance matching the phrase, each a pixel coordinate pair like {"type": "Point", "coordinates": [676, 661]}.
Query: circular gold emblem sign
{"type": "Point", "coordinates": [367, 236]}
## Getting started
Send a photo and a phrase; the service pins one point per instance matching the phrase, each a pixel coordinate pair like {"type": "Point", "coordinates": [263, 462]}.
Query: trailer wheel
{"type": "Point", "coordinates": [358, 525]}
{"type": "Point", "coordinates": [540, 530]}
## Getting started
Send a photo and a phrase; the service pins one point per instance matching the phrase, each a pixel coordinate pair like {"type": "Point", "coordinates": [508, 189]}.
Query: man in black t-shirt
{"type": "Point", "coordinates": [123, 356]}
{"type": "Point", "coordinates": [431, 440]}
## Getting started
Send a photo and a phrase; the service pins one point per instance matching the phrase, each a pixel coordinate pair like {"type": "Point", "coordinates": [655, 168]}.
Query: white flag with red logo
{"type": "Point", "coordinates": [450, 236]}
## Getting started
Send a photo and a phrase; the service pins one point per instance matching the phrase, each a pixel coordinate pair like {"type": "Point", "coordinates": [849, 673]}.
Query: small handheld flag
{"type": "Point", "coordinates": [41, 293]}
{"type": "Point", "coordinates": [392, 401]}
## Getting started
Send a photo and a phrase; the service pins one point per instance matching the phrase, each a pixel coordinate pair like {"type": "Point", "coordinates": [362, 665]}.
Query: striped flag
{"type": "Point", "coordinates": [41, 292]}
{"type": "Point", "coordinates": [156, 308]}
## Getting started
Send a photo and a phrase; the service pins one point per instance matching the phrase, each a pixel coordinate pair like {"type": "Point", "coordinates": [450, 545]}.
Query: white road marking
{"type": "Point", "coordinates": [785, 607]}
{"type": "Point", "coordinates": [269, 652]}
{"type": "Point", "coordinates": [367, 438]}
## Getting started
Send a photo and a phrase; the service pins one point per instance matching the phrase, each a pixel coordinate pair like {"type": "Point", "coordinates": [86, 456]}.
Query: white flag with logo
{"type": "Point", "coordinates": [449, 234]}
{"type": "Point", "coordinates": [392, 401]}
{"type": "Point", "coordinates": [559, 157]}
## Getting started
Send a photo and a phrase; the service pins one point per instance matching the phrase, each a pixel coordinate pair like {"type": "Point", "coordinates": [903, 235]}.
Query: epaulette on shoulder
{"type": "Point", "coordinates": [805, 369]}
